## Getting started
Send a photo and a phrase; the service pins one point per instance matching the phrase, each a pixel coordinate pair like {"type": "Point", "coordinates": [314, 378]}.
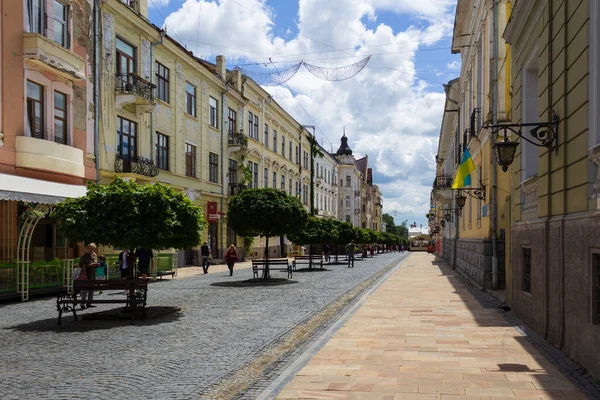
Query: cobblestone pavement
{"type": "Point", "coordinates": [421, 335]}
{"type": "Point", "coordinates": [219, 329]}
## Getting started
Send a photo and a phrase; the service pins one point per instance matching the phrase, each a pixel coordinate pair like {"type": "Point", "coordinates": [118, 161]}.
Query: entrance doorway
{"type": "Point", "coordinates": [213, 241]}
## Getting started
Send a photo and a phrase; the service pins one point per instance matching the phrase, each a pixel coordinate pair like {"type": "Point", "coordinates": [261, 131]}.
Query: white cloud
{"type": "Point", "coordinates": [388, 112]}
{"type": "Point", "coordinates": [454, 65]}
{"type": "Point", "coordinates": [158, 3]}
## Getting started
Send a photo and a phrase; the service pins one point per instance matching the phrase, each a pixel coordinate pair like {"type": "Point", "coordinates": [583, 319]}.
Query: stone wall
{"type": "Point", "coordinates": [448, 250]}
{"type": "Point", "coordinates": [474, 262]}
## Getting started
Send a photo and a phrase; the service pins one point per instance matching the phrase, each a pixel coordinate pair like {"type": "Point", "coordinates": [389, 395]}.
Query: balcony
{"type": "Point", "coordinates": [236, 188]}
{"type": "Point", "coordinates": [475, 125]}
{"type": "Point", "coordinates": [357, 193]}
{"type": "Point", "coordinates": [442, 188]}
{"type": "Point", "coordinates": [357, 211]}
{"type": "Point", "coordinates": [136, 165]}
{"type": "Point", "coordinates": [237, 141]}
{"type": "Point", "coordinates": [45, 155]}
{"type": "Point", "coordinates": [47, 54]}
{"type": "Point", "coordinates": [133, 90]}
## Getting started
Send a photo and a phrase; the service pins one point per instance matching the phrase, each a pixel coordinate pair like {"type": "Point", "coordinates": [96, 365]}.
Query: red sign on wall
{"type": "Point", "coordinates": [212, 213]}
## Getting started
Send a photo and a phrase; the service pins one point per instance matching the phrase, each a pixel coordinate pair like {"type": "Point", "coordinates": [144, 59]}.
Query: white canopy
{"type": "Point", "coordinates": [18, 188]}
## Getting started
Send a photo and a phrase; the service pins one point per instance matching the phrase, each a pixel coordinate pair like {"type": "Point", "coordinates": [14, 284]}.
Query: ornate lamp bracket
{"type": "Point", "coordinates": [477, 193]}
{"type": "Point", "coordinates": [543, 134]}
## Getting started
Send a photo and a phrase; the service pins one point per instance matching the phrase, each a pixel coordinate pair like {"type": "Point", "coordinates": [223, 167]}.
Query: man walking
{"type": "Point", "coordinates": [88, 263]}
{"type": "Point", "coordinates": [205, 253]}
{"type": "Point", "coordinates": [350, 249]}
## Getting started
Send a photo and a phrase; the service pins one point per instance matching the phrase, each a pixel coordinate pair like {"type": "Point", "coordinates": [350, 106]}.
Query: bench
{"type": "Point", "coordinates": [137, 290]}
{"type": "Point", "coordinates": [276, 264]}
{"type": "Point", "coordinates": [315, 258]}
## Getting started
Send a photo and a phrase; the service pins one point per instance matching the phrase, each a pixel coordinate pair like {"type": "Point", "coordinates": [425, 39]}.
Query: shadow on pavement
{"type": "Point", "coordinates": [108, 319]}
{"type": "Point", "coordinates": [316, 269]}
{"type": "Point", "coordinates": [255, 283]}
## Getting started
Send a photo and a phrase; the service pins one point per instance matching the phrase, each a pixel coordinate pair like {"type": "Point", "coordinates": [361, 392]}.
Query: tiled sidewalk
{"type": "Point", "coordinates": [421, 335]}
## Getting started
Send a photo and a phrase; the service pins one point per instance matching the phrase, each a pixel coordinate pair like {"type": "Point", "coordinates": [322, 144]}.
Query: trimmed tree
{"type": "Point", "coordinates": [128, 215]}
{"type": "Point", "coordinates": [317, 231]}
{"type": "Point", "coordinates": [266, 213]}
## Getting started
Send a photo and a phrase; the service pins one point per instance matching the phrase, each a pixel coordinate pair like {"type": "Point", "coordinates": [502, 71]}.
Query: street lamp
{"type": "Point", "coordinates": [461, 199]}
{"type": "Point", "coordinates": [544, 134]}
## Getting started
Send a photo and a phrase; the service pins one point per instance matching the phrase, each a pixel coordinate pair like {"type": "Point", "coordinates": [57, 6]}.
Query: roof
{"type": "Point", "coordinates": [361, 165]}
{"type": "Point", "coordinates": [18, 188]}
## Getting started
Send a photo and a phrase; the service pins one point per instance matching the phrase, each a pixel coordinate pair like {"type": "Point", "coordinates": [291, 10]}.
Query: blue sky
{"type": "Point", "coordinates": [392, 109]}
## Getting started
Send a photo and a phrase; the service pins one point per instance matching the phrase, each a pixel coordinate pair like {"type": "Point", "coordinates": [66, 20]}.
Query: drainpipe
{"type": "Point", "coordinates": [96, 91]}
{"type": "Point", "coordinates": [161, 41]}
{"type": "Point", "coordinates": [494, 192]}
{"type": "Point", "coordinates": [454, 220]}
{"type": "Point", "coordinates": [223, 152]}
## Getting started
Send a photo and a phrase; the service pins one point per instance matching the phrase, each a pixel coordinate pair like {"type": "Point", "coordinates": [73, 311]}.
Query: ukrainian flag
{"type": "Point", "coordinates": [463, 174]}
{"type": "Point", "coordinates": [298, 194]}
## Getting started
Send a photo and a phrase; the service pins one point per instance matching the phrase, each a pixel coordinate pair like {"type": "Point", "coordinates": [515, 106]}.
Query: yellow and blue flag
{"type": "Point", "coordinates": [463, 174]}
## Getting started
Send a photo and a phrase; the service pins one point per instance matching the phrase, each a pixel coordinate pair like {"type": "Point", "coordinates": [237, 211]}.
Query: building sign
{"type": "Point", "coordinates": [212, 213]}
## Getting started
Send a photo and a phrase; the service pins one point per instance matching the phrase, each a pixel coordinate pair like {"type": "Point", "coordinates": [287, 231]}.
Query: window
{"type": "Point", "coordinates": [290, 150]}
{"type": "Point", "coordinates": [60, 117]}
{"type": "Point", "coordinates": [283, 182]}
{"type": "Point", "coordinates": [297, 156]}
{"type": "Point", "coordinates": [283, 146]}
{"type": "Point", "coordinates": [596, 288]}
{"type": "Point", "coordinates": [162, 83]}
{"type": "Point", "coordinates": [348, 181]}
{"type": "Point", "coordinates": [162, 151]}
{"type": "Point", "coordinates": [526, 265]}
{"type": "Point", "coordinates": [35, 14]}
{"type": "Point", "coordinates": [126, 59]}
{"type": "Point", "coordinates": [266, 136]}
{"type": "Point", "coordinates": [232, 122]}
{"type": "Point", "coordinates": [35, 109]}
{"type": "Point", "coordinates": [126, 138]}
{"type": "Point", "coordinates": [348, 218]}
{"type": "Point", "coordinates": [529, 152]}
{"type": "Point", "coordinates": [305, 160]}
{"type": "Point", "coordinates": [190, 99]}
{"type": "Point", "coordinates": [274, 140]}
{"type": "Point", "coordinates": [274, 180]}
{"type": "Point", "coordinates": [318, 176]}
{"type": "Point", "coordinates": [213, 167]}
{"type": "Point", "coordinates": [297, 187]}
{"type": "Point", "coordinates": [290, 187]}
{"type": "Point", "coordinates": [266, 178]}
{"type": "Point", "coordinates": [233, 171]}
{"type": "Point", "coordinates": [364, 208]}
{"type": "Point", "coordinates": [305, 194]}
{"type": "Point", "coordinates": [255, 127]}
{"type": "Point", "coordinates": [190, 160]}
{"type": "Point", "coordinates": [213, 106]}
{"type": "Point", "coordinates": [255, 180]}
{"type": "Point", "coordinates": [347, 201]}
{"type": "Point", "coordinates": [61, 24]}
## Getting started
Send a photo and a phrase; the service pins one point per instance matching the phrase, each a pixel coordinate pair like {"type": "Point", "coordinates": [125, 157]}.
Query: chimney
{"type": "Point", "coordinates": [236, 77]}
{"type": "Point", "coordinates": [220, 67]}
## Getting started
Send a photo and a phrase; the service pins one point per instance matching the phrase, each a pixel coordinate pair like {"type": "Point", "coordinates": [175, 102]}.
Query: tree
{"type": "Point", "coordinates": [127, 215]}
{"type": "Point", "coordinates": [317, 231]}
{"type": "Point", "coordinates": [266, 213]}
{"type": "Point", "coordinates": [389, 222]}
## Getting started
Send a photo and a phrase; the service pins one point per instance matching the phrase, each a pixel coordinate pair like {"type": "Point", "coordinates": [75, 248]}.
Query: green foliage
{"type": "Point", "coordinates": [127, 215]}
{"type": "Point", "coordinates": [346, 233]}
{"type": "Point", "coordinates": [389, 221]}
{"type": "Point", "coordinates": [317, 231]}
{"type": "Point", "coordinates": [248, 242]}
{"type": "Point", "coordinates": [363, 236]}
{"type": "Point", "coordinates": [266, 212]}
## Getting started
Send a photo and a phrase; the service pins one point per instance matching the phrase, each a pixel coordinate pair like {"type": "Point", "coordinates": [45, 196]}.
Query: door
{"type": "Point", "coordinates": [213, 242]}
{"type": "Point", "coordinates": [126, 64]}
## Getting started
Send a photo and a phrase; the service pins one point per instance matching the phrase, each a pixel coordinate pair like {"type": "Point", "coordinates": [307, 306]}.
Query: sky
{"type": "Point", "coordinates": [391, 110]}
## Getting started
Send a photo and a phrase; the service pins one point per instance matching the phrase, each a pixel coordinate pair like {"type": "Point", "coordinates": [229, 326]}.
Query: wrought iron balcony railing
{"type": "Point", "coordinates": [237, 139]}
{"type": "Point", "coordinates": [442, 182]}
{"type": "Point", "coordinates": [236, 188]}
{"type": "Point", "coordinates": [135, 165]}
{"type": "Point", "coordinates": [136, 85]}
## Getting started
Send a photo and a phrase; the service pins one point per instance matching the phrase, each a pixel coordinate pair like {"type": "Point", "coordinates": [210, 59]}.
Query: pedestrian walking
{"type": "Point", "coordinates": [327, 253]}
{"type": "Point", "coordinates": [350, 249]}
{"type": "Point", "coordinates": [124, 260]}
{"type": "Point", "coordinates": [205, 253]}
{"type": "Point", "coordinates": [88, 263]}
{"type": "Point", "coordinates": [230, 258]}
{"type": "Point", "coordinates": [101, 269]}
{"type": "Point", "coordinates": [144, 257]}
{"type": "Point", "coordinates": [372, 250]}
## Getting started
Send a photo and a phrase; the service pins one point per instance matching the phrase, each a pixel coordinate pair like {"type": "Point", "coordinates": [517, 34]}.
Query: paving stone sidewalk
{"type": "Point", "coordinates": [422, 335]}
{"type": "Point", "coordinates": [221, 327]}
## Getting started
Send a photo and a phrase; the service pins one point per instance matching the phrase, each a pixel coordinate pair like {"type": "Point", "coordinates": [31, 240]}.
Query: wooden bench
{"type": "Point", "coordinates": [315, 258]}
{"type": "Point", "coordinates": [137, 290]}
{"type": "Point", "coordinates": [275, 264]}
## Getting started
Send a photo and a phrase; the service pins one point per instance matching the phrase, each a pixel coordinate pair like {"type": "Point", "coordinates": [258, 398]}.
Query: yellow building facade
{"type": "Point", "coordinates": [555, 50]}
{"type": "Point", "coordinates": [468, 240]}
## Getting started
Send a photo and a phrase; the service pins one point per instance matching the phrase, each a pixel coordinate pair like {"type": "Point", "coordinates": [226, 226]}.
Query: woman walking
{"type": "Point", "coordinates": [230, 258]}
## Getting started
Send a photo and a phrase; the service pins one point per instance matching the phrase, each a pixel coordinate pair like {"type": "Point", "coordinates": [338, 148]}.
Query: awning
{"type": "Point", "coordinates": [18, 188]}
